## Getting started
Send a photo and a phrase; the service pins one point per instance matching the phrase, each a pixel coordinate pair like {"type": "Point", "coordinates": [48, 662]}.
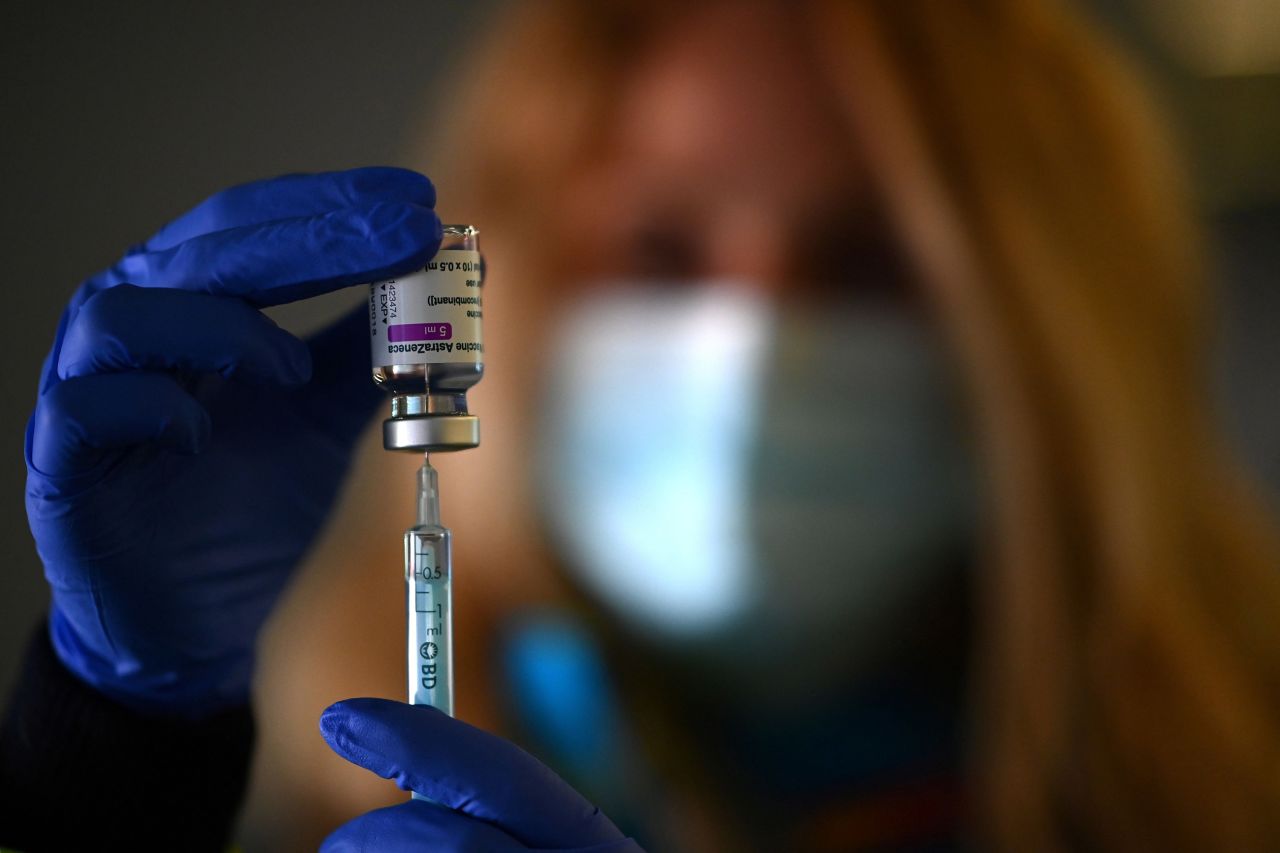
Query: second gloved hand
{"type": "Point", "coordinates": [486, 793]}
{"type": "Point", "coordinates": [185, 450]}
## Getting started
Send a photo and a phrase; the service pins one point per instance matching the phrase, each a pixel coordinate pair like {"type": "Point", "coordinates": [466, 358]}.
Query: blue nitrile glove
{"type": "Point", "coordinates": [487, 793]}
{"type": "Point", "coordinates": [185, 450]}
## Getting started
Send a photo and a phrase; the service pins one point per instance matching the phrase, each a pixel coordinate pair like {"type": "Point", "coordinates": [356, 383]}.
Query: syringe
{"type": "Point", "coordinates": [426, 348]}
{"type": "Point", "coordinates": [428, 575]}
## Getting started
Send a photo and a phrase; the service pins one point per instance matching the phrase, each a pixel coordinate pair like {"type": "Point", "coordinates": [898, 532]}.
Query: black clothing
{"type": "Point", "coordinates": [79, 771]}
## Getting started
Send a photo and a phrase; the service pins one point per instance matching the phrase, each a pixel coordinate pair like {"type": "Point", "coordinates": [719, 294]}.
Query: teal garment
{"type": "Point", "coordinates": [894, 730]}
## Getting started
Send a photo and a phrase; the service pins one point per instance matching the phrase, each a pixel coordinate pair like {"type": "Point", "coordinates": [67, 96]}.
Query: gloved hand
{"type": "Point", "coordinates": [487, 794]}
{"type": "Point", "coordinates": [185, 450]}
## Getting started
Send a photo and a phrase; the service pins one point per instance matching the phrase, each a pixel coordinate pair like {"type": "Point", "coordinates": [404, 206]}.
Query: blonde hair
{"type": "Point", "coordinates": [1127, 651]}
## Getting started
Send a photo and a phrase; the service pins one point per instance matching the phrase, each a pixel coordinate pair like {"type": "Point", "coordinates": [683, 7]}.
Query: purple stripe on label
{"type": "Point", "coordinates": [419, 332]}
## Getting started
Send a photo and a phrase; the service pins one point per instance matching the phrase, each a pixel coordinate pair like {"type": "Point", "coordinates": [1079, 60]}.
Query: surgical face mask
{"type": "Point", "coordinates": [751, 489]}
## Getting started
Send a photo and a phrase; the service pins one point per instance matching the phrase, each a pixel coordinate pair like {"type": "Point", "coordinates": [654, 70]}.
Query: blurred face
{"type": "Point", "coordinates": [748, 451]}
{"type": "Point", "coordinates": [727, 161]}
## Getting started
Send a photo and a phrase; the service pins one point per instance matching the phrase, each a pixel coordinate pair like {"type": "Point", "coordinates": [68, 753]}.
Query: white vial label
{"type": "Point", "coordinates": [431, 316]}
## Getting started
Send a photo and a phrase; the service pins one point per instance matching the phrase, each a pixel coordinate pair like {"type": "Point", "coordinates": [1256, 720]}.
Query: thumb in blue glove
{"type": "Point", "coordinates": [486, 793]}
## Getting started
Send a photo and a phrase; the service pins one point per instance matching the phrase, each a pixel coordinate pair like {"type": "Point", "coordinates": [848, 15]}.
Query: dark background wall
{"type": "Point", "coordinates": [119, 116]}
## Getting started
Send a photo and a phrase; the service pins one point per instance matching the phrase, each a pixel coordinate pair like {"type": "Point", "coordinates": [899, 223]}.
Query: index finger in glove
{"type": "Point", "coordinates": [76, 421]}
{"type": "Point", "coordinates": [292, 196]}
{"type": "Point", "coordinates": [289, 259]}
{"type": "Point", "coordinates": [466, 769]}
{"type": "Point", "coordinates": [132, 328]}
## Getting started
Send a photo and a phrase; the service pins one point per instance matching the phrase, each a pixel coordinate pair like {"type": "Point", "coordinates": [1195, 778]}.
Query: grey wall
{"type": "Point", "coordinates": [118, 116]}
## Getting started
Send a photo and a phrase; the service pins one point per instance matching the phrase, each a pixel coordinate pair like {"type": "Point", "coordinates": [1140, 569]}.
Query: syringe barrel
{"type": "Point", "coordinates": [429, 600]}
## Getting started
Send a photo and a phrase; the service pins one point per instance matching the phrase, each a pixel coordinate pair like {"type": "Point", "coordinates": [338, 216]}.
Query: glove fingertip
{"type": "Point", "coordinates": [193, 433]}
{"type": "Point", "coordinates": [394, 221]}
{"type": "Point", "coordinates": [330, 721]}
{"type": "Point", "coordinates": [335, 726]}
{"type": "Point", "coordinates": [300, 365]}
{"type": "Point", "coordinates": [345, 707]}
{"type": "Point", "coordinates": [425, 188]}
{"type": "Point", "coordinates": [377, 734]}
{"type": "Point", "coordinates": [343, 737]}
{"type": "Point", "coordinates": [338, 717]}
{"type": "Point", "coordinates": [415, 186]}
{"type": "Point", "coordinates": [185, 427]}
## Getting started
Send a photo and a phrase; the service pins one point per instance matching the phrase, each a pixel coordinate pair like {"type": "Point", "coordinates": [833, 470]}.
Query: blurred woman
{"type": "Point", "coordinates": [1087, 645]}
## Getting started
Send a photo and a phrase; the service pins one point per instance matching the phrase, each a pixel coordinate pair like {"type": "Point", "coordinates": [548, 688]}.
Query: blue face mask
{"type": "Point", "coordinates": [754, 489]}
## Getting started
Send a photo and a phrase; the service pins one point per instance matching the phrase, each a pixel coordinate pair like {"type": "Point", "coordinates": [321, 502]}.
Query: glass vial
{"type": "Point", "coordinates": [427, 346]}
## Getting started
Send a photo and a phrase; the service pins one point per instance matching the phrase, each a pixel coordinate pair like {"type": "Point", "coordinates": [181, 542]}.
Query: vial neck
{"type": "Point", "coordinates": [428, 495]}
{"type": "Point", "coordinates": [436, 403]}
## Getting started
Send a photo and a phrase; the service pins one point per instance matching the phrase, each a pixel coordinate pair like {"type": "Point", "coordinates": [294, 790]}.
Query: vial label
{"type": "Point", "coordinates": [431, 316]}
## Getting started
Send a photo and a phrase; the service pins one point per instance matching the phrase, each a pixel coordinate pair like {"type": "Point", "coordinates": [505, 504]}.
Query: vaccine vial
{"type": "Point", "coordinates": [427, 348]}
